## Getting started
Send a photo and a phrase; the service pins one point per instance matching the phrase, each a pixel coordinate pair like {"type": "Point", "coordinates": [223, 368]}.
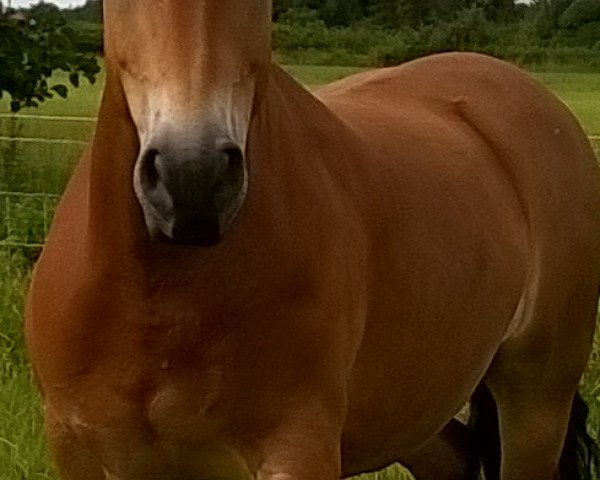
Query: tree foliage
{"type": "Point", "coordinates": [395, 13]}
{"type": "Point", "coordinates": [35, 44]}
{"type": "Point", "coordinates": [580, 12]}
{"type": "Point", "coordinates": [415, 13]}
{"type": "Point", "coordinates": [90, 11]}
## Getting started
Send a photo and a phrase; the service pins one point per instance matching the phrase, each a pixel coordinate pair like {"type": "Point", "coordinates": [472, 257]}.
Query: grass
{"type": "Point", "coordinates": [23, 454]}
{"type": "Point", "coordinates": [581, 92]}
{"type": "Point", "coordinates": [33, 167]}
{"type": "Point", "coordinates": [314, 76]}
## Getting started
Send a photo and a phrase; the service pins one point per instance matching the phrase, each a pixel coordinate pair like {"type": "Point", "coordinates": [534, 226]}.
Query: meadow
{"type": "Point", "coordinates": [31, 165]}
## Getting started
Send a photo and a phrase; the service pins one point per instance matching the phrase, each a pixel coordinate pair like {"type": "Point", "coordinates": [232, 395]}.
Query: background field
{"type": "Point", "coordinates": [41, 161]}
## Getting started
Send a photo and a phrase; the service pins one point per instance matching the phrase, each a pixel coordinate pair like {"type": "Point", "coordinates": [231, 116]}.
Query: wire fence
{"type": "Point", "coordinates": [37, 156]}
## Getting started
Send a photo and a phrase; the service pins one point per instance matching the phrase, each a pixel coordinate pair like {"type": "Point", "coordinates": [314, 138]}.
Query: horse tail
{"type": "Point", "coordinates": [581, 455]}
{"type": "Point", "coordinates": [483, 421]}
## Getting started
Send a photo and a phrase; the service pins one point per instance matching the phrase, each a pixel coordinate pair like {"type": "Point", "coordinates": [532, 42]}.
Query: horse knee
{"type": "Point", "coordinates": [73, 462]}
{"type": "Point", "coordinates": [447, 456]}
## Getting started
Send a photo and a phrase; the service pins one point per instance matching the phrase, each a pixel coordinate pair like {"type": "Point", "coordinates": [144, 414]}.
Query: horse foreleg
{"type": "Point", "coordinates": [534, 399]}
{"type": "Point", "coordinates": [305, 446]}
{"type": "Point", "coordinates": [533, 434]}
{"type": "Point", "coordinates": [447, 456]}
{"type": "Point", "coordinates": [73, 462]}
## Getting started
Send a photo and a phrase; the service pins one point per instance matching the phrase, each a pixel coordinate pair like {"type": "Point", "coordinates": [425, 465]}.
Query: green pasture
{"type": "Point", "coordinates": [581, 92]}
{"type": "Point", "coordinates": [32, 166]}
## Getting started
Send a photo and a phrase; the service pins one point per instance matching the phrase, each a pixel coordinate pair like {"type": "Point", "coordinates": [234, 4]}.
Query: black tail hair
{"type": "Point", "coordinates": [483, 421]}
{"type": "Point", "coordinates": [580, 459]}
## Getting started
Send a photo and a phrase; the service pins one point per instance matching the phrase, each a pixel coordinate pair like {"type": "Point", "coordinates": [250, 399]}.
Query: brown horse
{"type": "Point", "coordinates": [244, 281]}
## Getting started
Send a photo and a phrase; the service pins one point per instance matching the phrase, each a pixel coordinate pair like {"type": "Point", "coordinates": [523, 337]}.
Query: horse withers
{"type": "Point", "coordinates": [245, 281]}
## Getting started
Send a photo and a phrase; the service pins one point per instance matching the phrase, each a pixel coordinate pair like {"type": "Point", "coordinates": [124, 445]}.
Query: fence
{"type": "Point", "coordinates": [34, 171]}
{"type": "Point", "coordinates": [37, 155]}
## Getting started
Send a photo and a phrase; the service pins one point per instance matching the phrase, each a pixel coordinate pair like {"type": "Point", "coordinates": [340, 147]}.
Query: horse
{"type": "Point", "coordinates": [245, 280]}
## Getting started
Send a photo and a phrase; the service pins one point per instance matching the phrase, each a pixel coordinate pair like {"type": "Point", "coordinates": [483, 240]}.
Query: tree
{"type": "Point", "coordinates": [90, 12]}
{"type": "Point", "coordinates": [394, 13]}
{"type": "Point", "coordinates": [558, 7]}
{"type": "Point", "coordinates": [35, 44]}
{"type": "Point", "coordinates": [501, 10]}
{"type": "Point", "coordinates": [580, 12]}
{"type": "Point", "coordinates": [341, 12]}
{"type": "Point", "coordinates": [544, 23]}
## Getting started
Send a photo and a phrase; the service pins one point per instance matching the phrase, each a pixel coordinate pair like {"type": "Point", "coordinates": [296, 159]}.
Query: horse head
{"type": "Point", "coordinates": [189, 70]}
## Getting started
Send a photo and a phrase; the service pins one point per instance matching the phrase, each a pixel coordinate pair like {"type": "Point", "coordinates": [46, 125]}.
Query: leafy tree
{"type": "Point", "coordinates": [498, 10]}
{"type": "Point", "coordinates": [544, 23]}
{"type": "Point", "coordinates": [397, 13]}
{"type": "Point", "coordinates": [558, 7]}
{"type": "Point", "coordinates": [341, 12]}
{"type": "Point", "coordinates": [90, 12]}
{"type": "Point", "coordinates": [394, 13]}
{"type": "Point", "coordinates": [31, 50]}
{"type": "Point", "coordinates": [580, 12]}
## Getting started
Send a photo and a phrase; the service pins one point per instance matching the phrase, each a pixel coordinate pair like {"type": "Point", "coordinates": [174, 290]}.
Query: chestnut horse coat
{"type": "Point", "coordinates": [407, 234]}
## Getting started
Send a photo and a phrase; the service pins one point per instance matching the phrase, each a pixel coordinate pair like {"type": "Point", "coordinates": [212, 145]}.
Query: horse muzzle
{"type": "Point", "coordinates": [190, 194]}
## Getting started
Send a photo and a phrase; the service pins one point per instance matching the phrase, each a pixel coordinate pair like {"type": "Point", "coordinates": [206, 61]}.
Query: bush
{"type": "Point", "coordinates": [300, 29]}
{"type": "Point", "coordinates": [580, 12]}
{"type": "Point", "coordinates": [302, 37]}
{"type": "Point", "coordinates": [470, 30]}
{"type": "Point", "coordinates": [586, 36]}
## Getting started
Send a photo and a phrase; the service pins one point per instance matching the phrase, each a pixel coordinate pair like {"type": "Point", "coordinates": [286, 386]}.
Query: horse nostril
{"type": "Point", "coordinates": [235, 158]}
{"type": "Point", "coordinates": [149, 171]}
{"type": "Point", "coordinates": [233, 173]}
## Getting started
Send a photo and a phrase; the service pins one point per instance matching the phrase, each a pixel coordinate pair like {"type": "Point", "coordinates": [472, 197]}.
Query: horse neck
{"type": "Point", "coordinates": [114, 217]}
{"type": "Point", "coordinates": [298, 130]}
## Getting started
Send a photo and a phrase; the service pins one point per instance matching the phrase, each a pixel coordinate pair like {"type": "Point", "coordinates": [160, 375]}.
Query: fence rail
{"type": "Point", "coordinates": [47, 118]}
{"type": "Point", "coordinates": [58, 141]}
{"type": "Point", "coordinates": [28, 195]}
{"type": "Point", "coordinates": [33, 172]}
